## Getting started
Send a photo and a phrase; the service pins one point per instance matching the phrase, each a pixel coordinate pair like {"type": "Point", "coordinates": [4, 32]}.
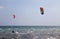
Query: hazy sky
{"type": "Point", "coordinates": [27, 12]}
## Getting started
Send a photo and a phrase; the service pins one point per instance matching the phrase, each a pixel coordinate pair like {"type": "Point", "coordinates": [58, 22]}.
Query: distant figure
{"type": "Point", "coordinates": [13, 32]}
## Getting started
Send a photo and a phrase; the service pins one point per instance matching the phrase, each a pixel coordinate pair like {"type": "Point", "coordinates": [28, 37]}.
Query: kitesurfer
{"type": "Point", "coordinates": [41, 10]}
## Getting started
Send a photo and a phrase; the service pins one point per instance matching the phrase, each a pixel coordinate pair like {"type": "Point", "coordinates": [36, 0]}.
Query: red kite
{"type": "Point", "coordinates": [14, 16]}
{"type": "Point", "coordinates": [42, 10]}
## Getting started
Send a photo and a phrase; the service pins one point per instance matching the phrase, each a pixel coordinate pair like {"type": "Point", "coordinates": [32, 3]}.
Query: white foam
{"type": "Point", "coordinates": [17, 32]}
{"type": "Point", "coordinates": [51, 38]}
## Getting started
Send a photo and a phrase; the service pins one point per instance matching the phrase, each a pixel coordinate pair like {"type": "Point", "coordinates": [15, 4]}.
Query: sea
{"type": "Point", "coordinates": [29, 32]}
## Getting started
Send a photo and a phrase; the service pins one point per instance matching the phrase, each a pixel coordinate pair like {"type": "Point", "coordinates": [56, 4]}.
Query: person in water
{"type": "Point", "coordinates": [13, 32]}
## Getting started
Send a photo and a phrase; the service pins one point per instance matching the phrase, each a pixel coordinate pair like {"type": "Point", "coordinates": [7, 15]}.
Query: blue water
{"type": "Point", "coordinates": [28, 27]}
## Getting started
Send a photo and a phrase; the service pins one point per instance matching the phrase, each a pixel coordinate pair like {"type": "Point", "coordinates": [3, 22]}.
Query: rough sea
{"type": "Point", "coordinates": [29, 32]}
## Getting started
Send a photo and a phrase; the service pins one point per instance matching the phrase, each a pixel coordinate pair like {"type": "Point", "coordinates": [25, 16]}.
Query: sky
{"type": "Point", "coordinates": [28, 12]}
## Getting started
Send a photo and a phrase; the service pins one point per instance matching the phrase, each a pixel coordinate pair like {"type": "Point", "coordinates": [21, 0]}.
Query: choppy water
{"type": "Point", "coordinates": [29, 32]}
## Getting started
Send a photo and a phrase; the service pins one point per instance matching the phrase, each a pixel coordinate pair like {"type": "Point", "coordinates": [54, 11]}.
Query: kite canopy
{"type": "Point", "coordinates": [14, 16]}
{"type": "Point", "coordinates": [41, 10]}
